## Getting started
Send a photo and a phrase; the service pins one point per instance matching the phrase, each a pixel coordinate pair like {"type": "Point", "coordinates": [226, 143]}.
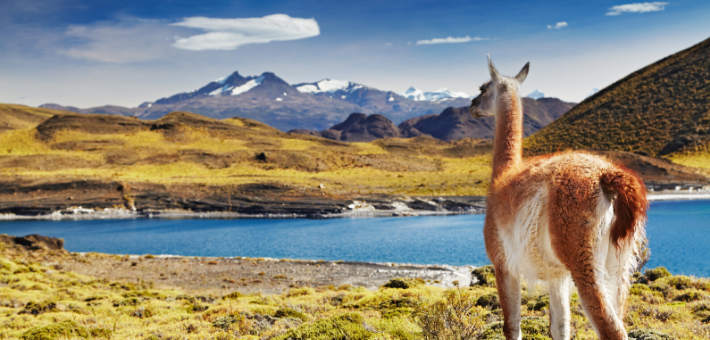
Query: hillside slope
{"type": "Point", "coordinates": [14, 117]}
{"type": "Point", "coordinates": [657, 110]}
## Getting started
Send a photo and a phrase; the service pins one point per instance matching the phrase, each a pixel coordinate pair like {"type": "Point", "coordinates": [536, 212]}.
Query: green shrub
{"type": "Point", "coordinates": [131, 301]}
{"type": "Point", "coordinates": [60, 330]}
{"type": "Point", "coordinates": [100, 333]}
{"type": "Point", "coordinates": [541, 302]}
{"type": "Point", "coordinates": [397, 283]}
{"type": "Point", "coordinates": [232, 296]}
{"type": "Point", "coordinates": [531, 328]}
{"type": "Point", "coordinates": [679, 282]}
{"type": "Point", "coordinates": [488, 301]}
{"type": "Point", "coordinates": [37, 308]}
{"type": "Point", "coordinates": [654, 274]}
{"type": "Point", "coordinates": [285, 312]}
{"type": "Point", "coordinates": [452, 318]}
{"type": "Point", "coordinates": [225, 321]}
{"type": "Point", "coordinates": [197, 308]}
{"type": "Point", "coordinates": [340, 327]}
{"type": "Point", "coordinates": [143, 312]}
{"type": "Point", "coordinates": [690, 295]}
{"type": "Point", "coordinates": [485, 276]}
{"type": "Point", "coordinates": [300, 292]}
{"type": "Point", "coordinates": [638, 289]}
{"type": "Point", "coordinates": [648, 334]}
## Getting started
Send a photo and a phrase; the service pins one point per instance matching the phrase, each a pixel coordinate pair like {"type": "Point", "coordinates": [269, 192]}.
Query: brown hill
{"type": "Point", "coordinates": [451, 124]}
{"type": "Point", "coordinates": [660, 109]}
{"type": "Point", "coordinates": [19, 116]}
{"type": "Point", "coordinates": [359, 127]}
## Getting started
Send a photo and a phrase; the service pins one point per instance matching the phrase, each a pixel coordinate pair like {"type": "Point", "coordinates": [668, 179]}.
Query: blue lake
{"type": "Point", "coordinates": [679, 234]}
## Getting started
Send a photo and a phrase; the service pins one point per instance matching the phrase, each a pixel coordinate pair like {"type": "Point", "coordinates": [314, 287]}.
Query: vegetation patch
{"type": "Point", "coordinates": [66, 329]}
{"type": "Point", "coordinates": [350, 326]}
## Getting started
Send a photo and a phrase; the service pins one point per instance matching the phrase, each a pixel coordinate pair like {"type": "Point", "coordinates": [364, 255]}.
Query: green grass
{"type": "Point", "coordinates": [41, 302]}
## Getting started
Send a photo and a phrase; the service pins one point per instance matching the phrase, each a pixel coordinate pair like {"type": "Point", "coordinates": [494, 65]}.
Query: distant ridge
{"type": "Point", "coordinates": [271, 100]}
{"type": "Point", "coordinates": [451, 124]}
{"type": "Point", "coordinates": [660, 109]}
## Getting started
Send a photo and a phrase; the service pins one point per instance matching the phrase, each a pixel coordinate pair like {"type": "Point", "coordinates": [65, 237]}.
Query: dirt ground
{"type": "Point", "coordinates": [220, 276]}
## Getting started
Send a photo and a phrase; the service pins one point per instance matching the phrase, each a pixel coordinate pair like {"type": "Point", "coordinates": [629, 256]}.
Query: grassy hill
{"type": "Point", "coordinates": [81, 159]}
{"type": "Point", "coordinates": [662, 109]}
{"type": "Point", "coordinates": [185, 148]}
{"type": "Point", "coordinates": [18, 116]}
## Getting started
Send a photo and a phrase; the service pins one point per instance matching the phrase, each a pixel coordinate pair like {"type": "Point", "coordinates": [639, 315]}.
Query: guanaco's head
{"type": "Point", "coordinates": [486, 103]}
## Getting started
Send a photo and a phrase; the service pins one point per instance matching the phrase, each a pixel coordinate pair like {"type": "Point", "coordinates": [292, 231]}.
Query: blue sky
{"type": "Point", "coordinates": [90, 53]}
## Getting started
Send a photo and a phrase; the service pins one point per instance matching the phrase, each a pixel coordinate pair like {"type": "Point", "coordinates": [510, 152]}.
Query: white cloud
{"type": "Point", "coordinates": [449, 40]}
{"type": "Point", "coordinates": [558, 25]}
{"type": "Point", "coordinates": [641, 7]}
{"type": "Point", "coordinates": [228, 34]}
{"type": "Point", "coordinates": [127, 40]}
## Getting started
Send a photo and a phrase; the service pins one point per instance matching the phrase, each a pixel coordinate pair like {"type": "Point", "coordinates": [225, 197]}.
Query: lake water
{"type": "Point", "coordinates": [679, 234]}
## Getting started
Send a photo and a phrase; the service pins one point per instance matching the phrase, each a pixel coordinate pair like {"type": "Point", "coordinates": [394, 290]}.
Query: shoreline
{"type": "Point", "coordinates": [222, 275]}
{"type": "Point", "coordinates": [381, 207]}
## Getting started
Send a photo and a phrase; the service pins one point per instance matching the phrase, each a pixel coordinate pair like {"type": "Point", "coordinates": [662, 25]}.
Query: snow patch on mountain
{"type": "Point", "coordinates": [248, 86]}
{"type": "Point", "coordinates": [438, 95]}
{"type": "Point", "coordinates": [228, 89]}
{"type": "Point", "coordinates": [536, 95]}
{"type": "Point", "coordinates": [328, 85]}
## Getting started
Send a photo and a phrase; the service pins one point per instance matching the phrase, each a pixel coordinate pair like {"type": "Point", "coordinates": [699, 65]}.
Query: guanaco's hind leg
{"type": "Point", "coordinates": [559, 308]}
{"type": "Point", "coordinates": [508, 286]}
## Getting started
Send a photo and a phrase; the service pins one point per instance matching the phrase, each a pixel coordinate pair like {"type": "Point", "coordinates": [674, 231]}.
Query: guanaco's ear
{"type": "Point", "coordinates": [495, 76]}
{"type": "Point", "coordinates": [523, 73]}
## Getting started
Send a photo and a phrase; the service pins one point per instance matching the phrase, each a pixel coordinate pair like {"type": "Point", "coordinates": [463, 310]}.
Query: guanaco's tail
{"type": "Point", "coordinates": [630, 205]}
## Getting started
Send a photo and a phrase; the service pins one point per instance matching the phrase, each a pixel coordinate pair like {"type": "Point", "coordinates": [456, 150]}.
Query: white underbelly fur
{"type": "Point", "coordinates": [528, 248]}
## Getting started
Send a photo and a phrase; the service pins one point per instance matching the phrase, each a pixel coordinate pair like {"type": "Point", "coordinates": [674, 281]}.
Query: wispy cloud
{"type": "Point", "coordinates": [126, 40]}
{"type": "Point", "coordinates": [558, 25]}
{"type": "Point", "coordinates": [641, 7]}
{"type": "Point", "coordinates": [450, 40]}
{"type": "Point", "coordinates": [228, 34]}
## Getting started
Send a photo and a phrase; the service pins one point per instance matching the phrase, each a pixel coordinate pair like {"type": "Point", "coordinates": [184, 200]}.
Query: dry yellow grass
{"type": "Point", "coordinates": [301, 161]}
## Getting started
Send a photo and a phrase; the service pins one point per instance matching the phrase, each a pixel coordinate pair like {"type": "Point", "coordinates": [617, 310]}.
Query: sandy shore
{"type": "Point", "coordinates": [220, 276]}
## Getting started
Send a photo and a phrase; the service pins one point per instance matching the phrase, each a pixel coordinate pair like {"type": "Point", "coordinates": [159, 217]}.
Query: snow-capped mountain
{"type": "Point", "coordinates": [269, 99]}
{"type": "Point", "coordinates": [435, 96]}
{"type": "Point", "coordinates": [328, 86]}
{"type": "Point", "coordinates": [536, 95]}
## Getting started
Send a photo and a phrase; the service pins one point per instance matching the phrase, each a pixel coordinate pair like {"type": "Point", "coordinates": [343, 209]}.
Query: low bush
{"type": "Point", "coordinates": [654, 274]}
{"type": "Point", "coordinates": [485, 276]}
{"type": "Point", "coordinates": [37, 308]}
{"type": "Point", "coordinates": [648, 334]}
{"type": "Point", "coordinates": [532, 328]}
{"type": "Point", "coordinates": [285, 312]}
{"type": "Point", "coordinates": [398, 283]}
{"type": "Point", "coordinates": [488, 301]}
{"type": "Point", "coordinates": [66, 329]}
{"type": "Point", "coordinates": [349, 326]}
{"type": "Point", "coordinates": [539, 303]}
{"type": "Point", "coordinates": [690, 295]}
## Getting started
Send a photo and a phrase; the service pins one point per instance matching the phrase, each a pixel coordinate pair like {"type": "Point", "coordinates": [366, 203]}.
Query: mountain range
{"type": "Point", "coordinates": [269, 99]}
{"type": "Point", "coordinates": [451, 124]}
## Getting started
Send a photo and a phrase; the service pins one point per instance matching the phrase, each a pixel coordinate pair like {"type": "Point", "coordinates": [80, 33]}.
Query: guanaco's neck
{"type": "Point", "coordinates": [508, 142]}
